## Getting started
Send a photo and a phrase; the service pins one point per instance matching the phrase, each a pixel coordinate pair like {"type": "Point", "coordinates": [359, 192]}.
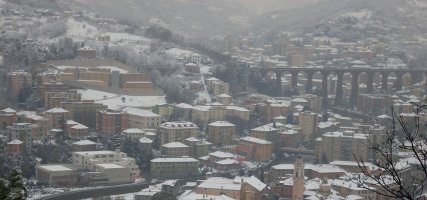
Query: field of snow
{"type": "Point", "coordinates": [117, 101]}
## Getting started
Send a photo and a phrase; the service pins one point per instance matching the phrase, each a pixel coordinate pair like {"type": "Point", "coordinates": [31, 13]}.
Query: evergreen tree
{"type": "Point", "coordinates": [13, 188]}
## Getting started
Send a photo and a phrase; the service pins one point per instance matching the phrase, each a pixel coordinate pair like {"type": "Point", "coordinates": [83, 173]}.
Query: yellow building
{"type": "Point", "coordinates": [142, 119]}
{"type": "Point", "coordinates": [16, 80]}
{"type": "Point", "coordinates": [220, 88]}
{"type": "Point", "coordinates": [174, 167]}
{"type": "Point", "coordinates": [238, 112]}
{"type": "Point", "coordinates": [308, 122]}
{"type": "Point", "coordinates": [342, 146]}
{"type": "Point", "coordinates": [221, 133]}
{"type": "Point", "coordinates": [255, 148]}
{"type": "Point", "coordinates": [175, 150]}
{"type": "Point", "coordinates": [54, 99]}
{"type": "Point", "coordinates": [268, 133]}
{"type": "Point", "coordinates": [176, 131]}
{"type": "Point", "coordinates": [56, 116]}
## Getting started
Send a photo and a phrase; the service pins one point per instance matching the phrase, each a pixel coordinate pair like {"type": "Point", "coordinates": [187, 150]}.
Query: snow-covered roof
{"type": "Point", "coordinates": [94, 152]}
{"type": "Point", "coordinates": [109, 166]}
{"type": "Point", "coordinates": [84, 142]}
{"type": "Point", "coordinates": [220, 183]}
{"type": "Point", "coordinates": [190, 195]}
{"type": "Point", "coordinates": [57, 110]}
{"type": "Point", "coordinates": [145, 140]}
{"type": "Point", "coordinates": [133, 131]}
{"type": "Point", "coordinates": [15, 142]}
{"type": "Point", "coordinates": [299, 100]}
{"type": "Point", "coordinates": [221, 123]}
{"type": "Point", "coordinates": [255, 182]}
{"type": "Point", "coordinates": [255, 140]}
{"type": "Point", "coordinates": [223, 95]}
{"type": "Point", "coordinates": [227, 161]}
{"type": "Point", "coordinates": [55, 168]}
{"type": "Point", "coordinates": [237, 108]}
{"type": "Point", "coordinates": [179, 125]}
{"type": "Point", "coordinates": [174, 145]}
{"type": "Point", "coordinates": [86, 48]}
{"type": "Point", "coordinates": [140, 112]}
{"type": "Point", "coordinates": [8, 110]}
{"type": "Point", "coordinates": [264, 128]}
{"type": "Point", "coordinates": [168, 160]}
{"type": "Point", "coordinates": [221, 154]}
{"type": "Point", "coordinates": [79, 126]}
{"type": "Point", "coordinates": [183, 105]}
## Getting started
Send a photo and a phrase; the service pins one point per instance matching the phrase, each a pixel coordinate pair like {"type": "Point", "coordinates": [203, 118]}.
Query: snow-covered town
{"type": "Point", "coordinates": [218, 100]}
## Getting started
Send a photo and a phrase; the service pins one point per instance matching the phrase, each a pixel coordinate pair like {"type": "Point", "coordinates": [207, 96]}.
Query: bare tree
{"type": "Point", "coordinates": [398, 175]}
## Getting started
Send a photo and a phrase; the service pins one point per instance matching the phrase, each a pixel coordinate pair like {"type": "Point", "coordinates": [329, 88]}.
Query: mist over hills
{"type": "Point", "coordinates": [190, 17]}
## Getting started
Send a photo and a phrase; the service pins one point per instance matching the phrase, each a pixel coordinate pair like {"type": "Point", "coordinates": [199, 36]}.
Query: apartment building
{"type": "Point", "coordinates": [174, 167]}
{"type": "Point", "coordinates": [176, 131]}
{"type": "Point", "coordinates": [221, 133]}
{"type": "Point", "coordinates": [142, 119]}
{"type": "Point", "coordinates": [175, 150]}
{"type": "Point", "coordinates": [255, 148]}
{"type": "Point", "coordinates": [111, 122]}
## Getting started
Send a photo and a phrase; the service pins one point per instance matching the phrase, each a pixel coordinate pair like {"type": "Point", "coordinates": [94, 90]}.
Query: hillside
{"type": "Point", "coordinates": [191, 17]}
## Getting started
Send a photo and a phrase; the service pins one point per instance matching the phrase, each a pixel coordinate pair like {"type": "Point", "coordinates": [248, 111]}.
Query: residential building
{"type": "Point", "coordinates": [308, 122]}
{"type": "Point", "coordinates": [84, 112]}
{"type": "Point", "coordinates": [221, 133]}
{"type": "Point", "coordinates": [111, 122]}
{"type": "Point", "coordinates": [15, 147]}
{"type": "Point", "coordinates": [174, 167]}
{"type": "Point", "coordinates": [17, 80]}
{"type": "Point", "coordinates": [21, 132]}
{"type": "Point", "coordinates": [56, 117]}
{"type": "Point", "coordinates": [84, 145]}
{"type": "Point", "coordinates": [54, 174]}
{"type": "Point", "coordinates": [176, 131]}
{"type": "Point", "coordinates": [342, 146]}
{"type": "Point", "coordinates": [7, 117]}
{"type": "Point", "coordinates": [255, 148]}
{"type": "Point", "coordinates": [56, 98]}
{"type": "Point", "coordinates": [142, 119]}
{"type": "Point", "coordinates": [92, 158]}
{"type": "Point", "coordinates": [268, 133]}
{"type": "Point", "coordinates": [198, 147]}
{"type": "Point", "coordinates": [134, 133]}
{"type": "Point", "coordinates": [175, 150]}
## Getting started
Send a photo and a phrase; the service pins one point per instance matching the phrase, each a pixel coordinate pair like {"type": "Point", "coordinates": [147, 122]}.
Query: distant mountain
{"type": "Point", "coordinates": [298, 19]}
{"type": "Point", "coordinates": [191, 17]}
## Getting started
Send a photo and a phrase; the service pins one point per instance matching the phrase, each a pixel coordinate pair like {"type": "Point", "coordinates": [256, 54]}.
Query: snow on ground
{"type": "Point", "coordinates": [117, 101]}
{"type": "Point", "coordinates": [95, 95]}
{"type": "Point", "coordinates": [133, 101]}
{"type": "Point", "coordinates": [125, 36]}
{"type": "Point", "coordinates": [204, 69]}
{"type": "Point", "coordinates": [359, 14]}
{"type": "Point", "coordinates": [114, 68]}
{"type": "Point", "coordinates": [179, 52]}
{"type": "Point", "coordinates": [80, 29]}
{"type": "Point", "coordinates": [62, 68]}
